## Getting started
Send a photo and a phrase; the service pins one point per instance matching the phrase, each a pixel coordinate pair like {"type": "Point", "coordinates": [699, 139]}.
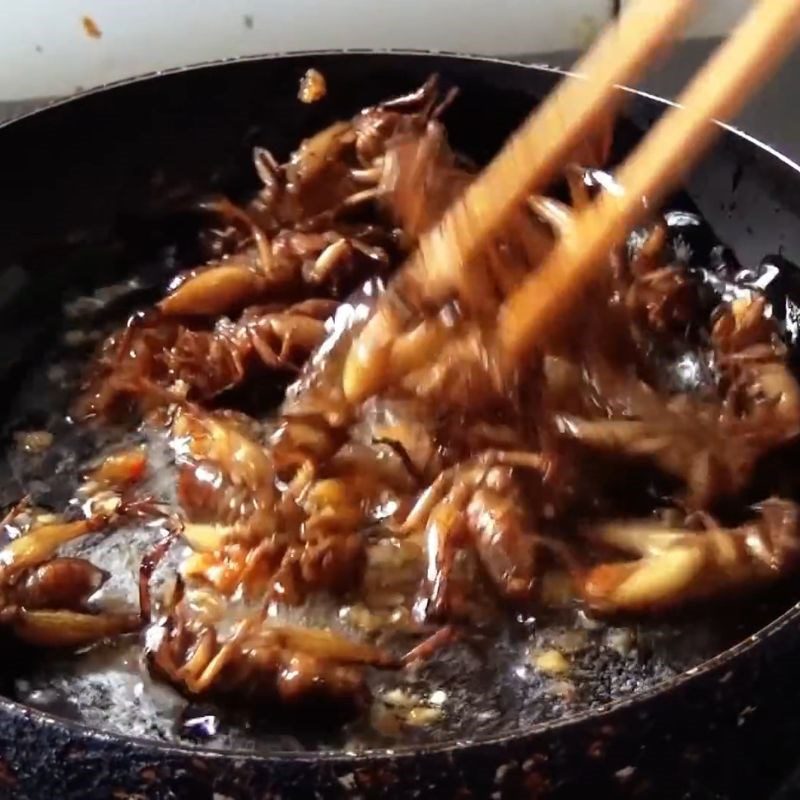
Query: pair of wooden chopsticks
{"type": "Point", "coordinates": [537, 153]}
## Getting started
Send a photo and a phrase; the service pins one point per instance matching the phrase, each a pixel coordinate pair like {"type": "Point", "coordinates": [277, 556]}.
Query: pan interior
{"type": "Point", "coordinates": [484, 687]}
{"type": "Point", "coordinates": [480, 688]}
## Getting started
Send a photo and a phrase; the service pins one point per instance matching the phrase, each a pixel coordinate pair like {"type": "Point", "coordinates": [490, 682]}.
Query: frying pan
{"type": "Point", "coordinates": [79, 172]}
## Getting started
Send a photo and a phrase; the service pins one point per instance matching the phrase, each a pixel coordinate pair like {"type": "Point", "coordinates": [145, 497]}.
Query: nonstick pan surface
{"type": "Point", "coordinates": [83, 180]}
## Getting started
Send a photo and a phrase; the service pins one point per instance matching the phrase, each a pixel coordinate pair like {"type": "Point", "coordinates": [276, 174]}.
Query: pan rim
{"type": "Point", "coordinates": [401, 752]}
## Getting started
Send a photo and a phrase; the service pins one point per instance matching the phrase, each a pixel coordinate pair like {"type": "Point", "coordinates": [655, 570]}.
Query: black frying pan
{"type": "Point", "coordinates": [79, 176]}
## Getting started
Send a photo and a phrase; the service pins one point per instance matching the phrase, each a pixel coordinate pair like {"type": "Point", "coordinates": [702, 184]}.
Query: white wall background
{"type": "Point", "coordinates": [45, 49]}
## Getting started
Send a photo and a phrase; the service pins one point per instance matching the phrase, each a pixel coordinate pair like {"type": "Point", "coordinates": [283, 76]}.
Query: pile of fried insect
{"type": "Point", "coordinates": [452, 497]}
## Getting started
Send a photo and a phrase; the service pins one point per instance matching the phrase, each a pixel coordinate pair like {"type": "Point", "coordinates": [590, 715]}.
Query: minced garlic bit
{"type": "Point", "coordinates": [104, 502]}
{"type": "Point", "coordinates": [33, 441]}
{"type": "Point", "coordinates": [408, 708]}
{"type": "Point", "coordinates": [312, 86]}
{"type": "Point", "coordinates": [622, 640]}
{"type": "Point", "coordinates": [437, 697]}
{"type": "Point", "coordinates": [45, 518]}
{"type": "Point", "coordinates": [551, 662]}
{"type": "Point", "coordinates": [423, 715]}
{"type": "Point", "coordinates": [398, 697]}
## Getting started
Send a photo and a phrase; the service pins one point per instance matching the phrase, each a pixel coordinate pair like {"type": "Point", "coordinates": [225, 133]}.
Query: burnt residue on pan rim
{"type": "Point", "coordinates": [718, 662]}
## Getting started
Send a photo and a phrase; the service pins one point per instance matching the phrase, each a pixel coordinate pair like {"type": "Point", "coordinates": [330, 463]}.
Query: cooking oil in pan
{"type": "Point", "coordinates": [527, 671]}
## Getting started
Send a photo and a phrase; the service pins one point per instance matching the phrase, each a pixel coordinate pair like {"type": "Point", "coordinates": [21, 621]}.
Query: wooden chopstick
{"type": "Point", "coordinates": [530, 160]}
{"type": "Point", "coordinates": [536, 153]}
{"type": "Point", "coordinates": [658, 164]}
